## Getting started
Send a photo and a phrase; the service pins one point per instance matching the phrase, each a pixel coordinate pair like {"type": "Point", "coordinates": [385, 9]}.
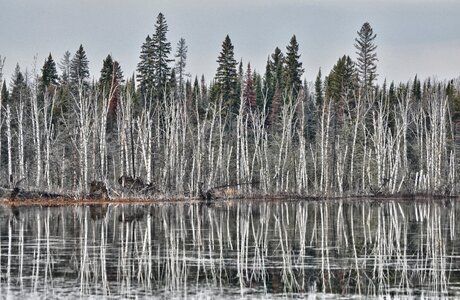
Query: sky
{"type": "Point", "coordinates": [413, 37]}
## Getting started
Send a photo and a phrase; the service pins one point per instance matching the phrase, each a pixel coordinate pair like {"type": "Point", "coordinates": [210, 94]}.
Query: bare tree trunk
{"type": "Point", "coordinates": [9, 143]}
{"type": "Point", "coordinates": [48, 131]}
{"type": "Point", "coordinates": [20, 114]}
{"type": "Point", "coordinates": [37, 136]}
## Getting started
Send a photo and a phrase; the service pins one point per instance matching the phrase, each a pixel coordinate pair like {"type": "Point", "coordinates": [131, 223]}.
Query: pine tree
{"type": "Point", "coordinates": [160, 59]}
{"type": "Point", "coordinates": [79, 70]}
{"type": "Point", "coordinates": [416, 90]}
{"type": "Point", "coordinates": [274, 108]}
{"type": "Point", "coordinates": [49, 72]}
{"type": "Point", "coordinates": [18, 85]}
{"type": "Point", "coordinates": [109, 82]}
{"type": "Point", "coordinates": [240, 81]}
{"type": "Point", "coordinates": [258, 86]}
{"type": "Point", "coordinates": [145, 71]}
{"type": "Point", "coordinates": [319, 97]}
{"type": "Point", "coordinates": [189, 97]}
{"type": "Point", "coordinates": [341, 79]}
{"type": "Point", "coordinates": [268, 85]}
{"type": "Point", "coordinates": [226, 76]}
{"type": "Point", "coordinates": [196, 90]}
{"type": "Point", "coordinates": [4, 94]}
{"type": "Point", "coordinates": [181, 62]}
{"type": "Point", "coordinates": [107, 72]}
{"type": "Point", "coordinates": [367, 58]}
{"type": "Point", "coordinates": [204, 89]}
{"type": "Point", "coordinates": [249, 94]}
{"type": "Point", "coordinates": [277, 68]}
{"type": "Point", "coordinates": [293, 68]}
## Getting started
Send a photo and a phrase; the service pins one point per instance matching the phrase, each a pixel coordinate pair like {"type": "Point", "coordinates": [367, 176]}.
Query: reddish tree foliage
{"type": "Point", "coordinates": [249, 93]}
{"type": "Point", "coordinates": [114, 95]}
{"type": "Point", "coordinates": [274, 108]}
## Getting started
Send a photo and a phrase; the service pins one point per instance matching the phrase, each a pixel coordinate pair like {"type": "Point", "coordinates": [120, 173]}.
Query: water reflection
{"type": "Point", "coordinates": [231, 249]}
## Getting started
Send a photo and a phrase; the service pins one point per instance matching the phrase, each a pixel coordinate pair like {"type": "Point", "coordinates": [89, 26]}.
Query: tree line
{"type": "Point", "coordinates": [270, 133]}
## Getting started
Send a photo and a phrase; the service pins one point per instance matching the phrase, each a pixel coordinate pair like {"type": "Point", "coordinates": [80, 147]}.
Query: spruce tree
{"type": "Point", "coordinates": [196, 91]}
{"type": "Point", "coordinates": [49, 72]}
{"type": "Point", "coordinates": [160, 59]}
{"type": "Point", "coordinates": [367, 58]}
{"type": "Point", "coordinates": [189, 94]}
{"type": "Point", "coordinates": [181, 62]}
{"type": "Point", "coordinates": [203, 88]}
{"type": "Point", "coordinates": [79, 70]}
{"type": "Point", "coordinates": [319, 97]}
{"type": "Point", "coordinates": [277, 68]}
{"type": "Point", "coordinates": [293, 68]}
{"type": "Point", "coordinates": [341, 80]}
{"type": "Point", "coordinates": [258, 86]}
{"type": "Point", "coordinates": [268, 85]}
{"type": "Point", "coordinates": [416, 90]}
{"type": "Point", "coordinates": [107, 72]}
{"type": "Point", "coordinates": [274, 107]}
{"type": "Point", "coordinates": [226, 76]}
{"type": "Point", "coordinates": [145, 71]}
{"type": "Point", "coordinates": [4, 94]}
{"type": "Point", "coordinates": [249, 94]}
{"type": "Point", "coordinates": [18, 85]}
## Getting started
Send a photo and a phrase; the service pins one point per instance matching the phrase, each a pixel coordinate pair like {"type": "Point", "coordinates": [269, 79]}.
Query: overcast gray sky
{"type": "Point", "coordinates": [413, 37]}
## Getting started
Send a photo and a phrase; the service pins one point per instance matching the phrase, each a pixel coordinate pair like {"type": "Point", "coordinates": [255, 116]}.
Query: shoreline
{"type": "Point", "coordinates": [67, 201]}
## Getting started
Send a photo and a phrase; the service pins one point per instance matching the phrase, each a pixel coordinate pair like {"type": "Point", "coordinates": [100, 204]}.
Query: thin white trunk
{"type": "Point", "coordinates": [9, 143]}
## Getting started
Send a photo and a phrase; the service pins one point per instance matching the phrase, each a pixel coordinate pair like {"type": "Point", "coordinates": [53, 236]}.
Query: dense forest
{"type": "Point", "coordinates": [271, 133]}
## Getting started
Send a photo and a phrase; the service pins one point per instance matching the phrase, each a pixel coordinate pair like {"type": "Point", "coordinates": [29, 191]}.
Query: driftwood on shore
{"type": "Point", "coordinates": [17, 194]}
{"type": "Point", "coordinates": [97, 190]}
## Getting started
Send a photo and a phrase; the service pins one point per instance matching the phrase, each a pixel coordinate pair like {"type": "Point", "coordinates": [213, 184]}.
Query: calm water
{"type": "Point", "coordinates": [232, 250]}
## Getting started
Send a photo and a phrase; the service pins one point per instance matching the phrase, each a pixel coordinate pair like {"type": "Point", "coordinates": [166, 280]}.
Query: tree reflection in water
{"type": "Point", "coordinates": [231, 249]}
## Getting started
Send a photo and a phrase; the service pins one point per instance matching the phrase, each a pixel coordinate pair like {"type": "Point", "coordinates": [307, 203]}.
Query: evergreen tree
{"type": "Point", "coordinates": [367, 57]}
{"type": "Point", "coordinates": [249, 94]}
{"type": "Point", "coordinates": [18, 85]}
{"type": "Point", "coordinates": [274, 107]}
{"type": "Point", "coordinates": [341, 80]}
{"type": "Point", "coordinates": [79, 70]}
{"type": "Point", "coordinates": [319, 97]}
{"type": "Point", "coordinates": [4, 94]}
{"type": "Point", "coordinates": [145, 71]}
{"type": "Point", "coordinates": [277, 67]}
{"type": "Point", "coordinates": [160, 59]}
{"type": "Point", "coordinates": [453, 97]}
{"type": "Point", "coordinates": [293, 68]}
{"type": "Point", "coordinates": [268, 85]}
{"type": "Point", "coordinates": [204, 89]}
{"type": "Point", "coordinates": [258, 86]}
{"type": "Point", "coordinates": [240, 81]}
{"type": "Point", "coordinates": [107, 73]}
{"type": "Point", "coordinates": [196, 90]}
{"type": "Point", "coordinates": [189, 94]}
{"type": "Point", "coordinates": [49, 72]}
{"type": "Point", "coordinates": [416, 90]}
{"type": "Point", "coordinates": [226, 76]}
{"type": "Point", "coordinates": [181, 62]}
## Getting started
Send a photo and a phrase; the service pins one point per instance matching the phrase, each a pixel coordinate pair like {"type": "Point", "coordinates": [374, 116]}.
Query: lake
{"type": "Point", "coordinates": [232, 249]}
